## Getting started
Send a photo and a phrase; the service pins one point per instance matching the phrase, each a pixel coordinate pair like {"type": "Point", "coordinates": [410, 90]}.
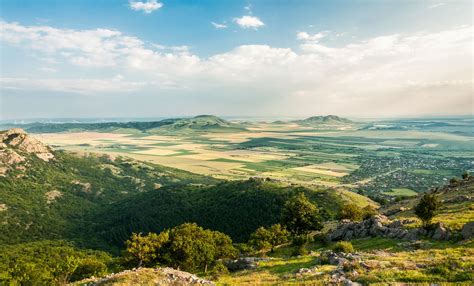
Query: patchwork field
{"type": "Point", "coordinates": [346, 156]}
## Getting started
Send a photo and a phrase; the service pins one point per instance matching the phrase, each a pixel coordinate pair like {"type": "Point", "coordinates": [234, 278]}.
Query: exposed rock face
{"type": "Point", "coordinates": [52, 196]}
{"type": "Point", "coordinates": [378, 225]}
{"type": "Point", "coordinates": [17, 137]}
{"type": "Point", "coordinates": [15, 144]}
{"type": "Point", "coordinates": [468, 230]}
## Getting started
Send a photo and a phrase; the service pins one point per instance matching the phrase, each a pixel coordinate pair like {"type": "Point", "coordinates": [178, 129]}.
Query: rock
{"type": "Point", "coordinates": [378, 225]}
{"type": "Point", "coordinates": [243, 263]}
{"type": "Point", "coordinates": [52, 196]}
{"type": "Point", "coordinates": [440, 232]}
{"type": "Point", "coordinates": [468, 230]}
{"type": "Point", "coordinates": [348, 282]}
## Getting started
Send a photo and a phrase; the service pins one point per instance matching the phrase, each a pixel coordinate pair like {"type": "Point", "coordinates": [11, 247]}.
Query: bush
{"type": "Point", "coordinates": [351, 212]}
{"type": "Point", "coordinates": [369, 211]}
{"type": "Point", "coordinates": [300, 250]}
{"type": "Point", "coordinates": [343, 246]}
{"type": "Point", "coordinates": [426, 208]}
{"type": "Point", "coordinates": [218, 270]}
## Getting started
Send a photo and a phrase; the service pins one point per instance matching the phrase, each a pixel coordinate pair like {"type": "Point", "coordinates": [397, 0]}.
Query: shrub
{"type": "Point", "coordinates": [351, 212]}
{"type": "Point", "coordinates": [426, 208]}
{"type": "Point", "coordinates": [264, 239]}
{"type": "Point", "coordinates": [343, 246]}
{"type": "Point", "coordinates": [369, 211]}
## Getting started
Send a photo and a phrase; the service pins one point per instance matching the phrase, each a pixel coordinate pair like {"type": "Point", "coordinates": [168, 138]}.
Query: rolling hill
{"type": "Point", "coordinates": [208, 123]}
{"type": "Point", "coordinates": [327, 120]}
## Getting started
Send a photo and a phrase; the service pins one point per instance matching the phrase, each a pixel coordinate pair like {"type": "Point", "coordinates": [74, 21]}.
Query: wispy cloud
{"type": "Point", "coordinates": [147, 7]}
{"type": "Point", "coordinates": [247, 22]}
{"type": "Point", "coordinates": [304, 36]}
{"type": "Point", "coordinates": [219, 26]}
{"type": "Point", "coordinates": [436, 5]}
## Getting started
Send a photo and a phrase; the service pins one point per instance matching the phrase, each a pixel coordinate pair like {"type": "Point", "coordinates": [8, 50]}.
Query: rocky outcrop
{"type": "Point", "coordinates": [375, 226]}
{"type": "Point", "coordinates": [15, 144]}
{"type": "Point", "coordinates": [147, 276]}
{"type": "Point", "coordinates": [468, 230]}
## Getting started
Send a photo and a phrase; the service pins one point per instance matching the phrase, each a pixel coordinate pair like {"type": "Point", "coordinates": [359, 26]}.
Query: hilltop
{"type": "Point", "coordinates": [328, 119]}
{"type": "Point", "coordinates": [207, 123]}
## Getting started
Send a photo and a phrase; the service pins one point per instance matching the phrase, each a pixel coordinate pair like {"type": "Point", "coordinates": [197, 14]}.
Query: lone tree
{"type": "Point", "coordinates": [426, 208]}
{"type": "Point", "coordinates": [264, 239]}
{"type": "Point", "coordinates": [300, 216]}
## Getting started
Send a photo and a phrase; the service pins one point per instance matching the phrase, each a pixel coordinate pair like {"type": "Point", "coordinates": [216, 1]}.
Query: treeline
{"type": "Point", "coordinates": [188, 247]}
{"type": "Point", "coordinates": [236, 208]}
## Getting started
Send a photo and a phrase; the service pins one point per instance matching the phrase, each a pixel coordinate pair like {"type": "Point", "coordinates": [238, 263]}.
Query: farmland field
{"type": "Point", "coordinates": [335, 156]}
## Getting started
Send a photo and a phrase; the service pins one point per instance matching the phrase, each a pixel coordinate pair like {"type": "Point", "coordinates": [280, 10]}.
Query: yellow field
{"type": "Point", "coordinates": [201, 155]}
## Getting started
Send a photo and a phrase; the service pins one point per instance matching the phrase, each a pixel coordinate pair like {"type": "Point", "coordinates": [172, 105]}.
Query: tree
{"type": "Point", "coordinates": [465, 175]}
{"type": "Point", "coordinates": [193, 248]}
{"type": "Point", "coordinates": [144, 249]}
{"type": "Point", "coordinates": [426, 208]}
{"type": "Point", "coordinates": [351, 212]}
{"type": "Point", "coordinates": [264, 239]}
{"type": "Point", "coordinates": [300, 216]}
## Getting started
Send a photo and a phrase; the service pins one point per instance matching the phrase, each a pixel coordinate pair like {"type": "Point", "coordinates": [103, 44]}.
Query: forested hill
{"type": "Point", "coordinates": [98, 201]}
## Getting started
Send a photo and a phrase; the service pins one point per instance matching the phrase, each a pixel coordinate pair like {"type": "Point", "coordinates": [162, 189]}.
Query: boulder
{"type": "Point", "coordinates": [242, 263]}
{"type": "Point", "coordinates": [440, 232]}
{"type": "Point", "coordinates": [468, 230]}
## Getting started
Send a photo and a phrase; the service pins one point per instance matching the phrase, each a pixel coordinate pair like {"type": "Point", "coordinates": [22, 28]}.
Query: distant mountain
{"type": "Point", "coordinates": [328, 119]}
{"type": "Point", "coordinates": [198, 123]}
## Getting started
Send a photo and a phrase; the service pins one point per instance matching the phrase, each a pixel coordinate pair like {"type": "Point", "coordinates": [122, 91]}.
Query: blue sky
{"type": "Point", "coordinates": [263, 58]}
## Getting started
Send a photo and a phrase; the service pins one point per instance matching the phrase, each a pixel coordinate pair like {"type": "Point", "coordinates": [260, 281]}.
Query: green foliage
{"type": "Point", "coordinates": [426, 208]}
{"type": "Point", "coordinates": [369, 211]}
{"type": "Point", "coordinates": [144, 249]}
{"type": "Point", "coordinates": [343, 246]}
{"type": "Point", "coordinates": [188, 247]}
{"type": "Point", "coordinates": [300, 216]}
{"type": "Point", "coordinates": [49, 263]}
{"type": "Point", "coordinates": [264, 239]}
{"type": "Point", "coordinates": [351, 212]}
{"type": "Point", "coordinates": [193, 248]}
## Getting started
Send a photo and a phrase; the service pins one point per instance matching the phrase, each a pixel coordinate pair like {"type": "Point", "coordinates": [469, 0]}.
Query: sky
{"type": "Point", "coordinates": [169, 58]}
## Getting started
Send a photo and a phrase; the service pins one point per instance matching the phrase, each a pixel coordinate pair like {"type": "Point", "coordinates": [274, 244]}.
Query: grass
{"type": "Point", "coordinates": [401, 192]}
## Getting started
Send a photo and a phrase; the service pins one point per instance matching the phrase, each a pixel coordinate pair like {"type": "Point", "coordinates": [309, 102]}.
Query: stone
{"type": "Point", "coordinates": [468, 230]}
{"type": "Point", "coordinates": [440, 232]}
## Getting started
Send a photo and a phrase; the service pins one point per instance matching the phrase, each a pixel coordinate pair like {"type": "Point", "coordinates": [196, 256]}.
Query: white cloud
{"type": "Point", "coordinates": [304, 36]}
{"type": "Point", "coordinates": [219, 26]}
{"type": "Point", "coordinates": [247, 22]}
{"type": "Point", "coordinates": [386, 75]}
{"type": "Point", "coordinates": [147, 7]}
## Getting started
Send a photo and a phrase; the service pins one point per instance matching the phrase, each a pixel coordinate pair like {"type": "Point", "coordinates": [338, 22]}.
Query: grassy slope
{"type": "Point", "coordinates": [452, 214]}
{"type": "Point", "coordinates": [391, 260]}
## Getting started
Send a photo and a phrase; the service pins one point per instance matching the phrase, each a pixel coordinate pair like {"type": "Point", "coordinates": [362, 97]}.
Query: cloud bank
{"type": "Point", "coordinates": [398, 74]}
